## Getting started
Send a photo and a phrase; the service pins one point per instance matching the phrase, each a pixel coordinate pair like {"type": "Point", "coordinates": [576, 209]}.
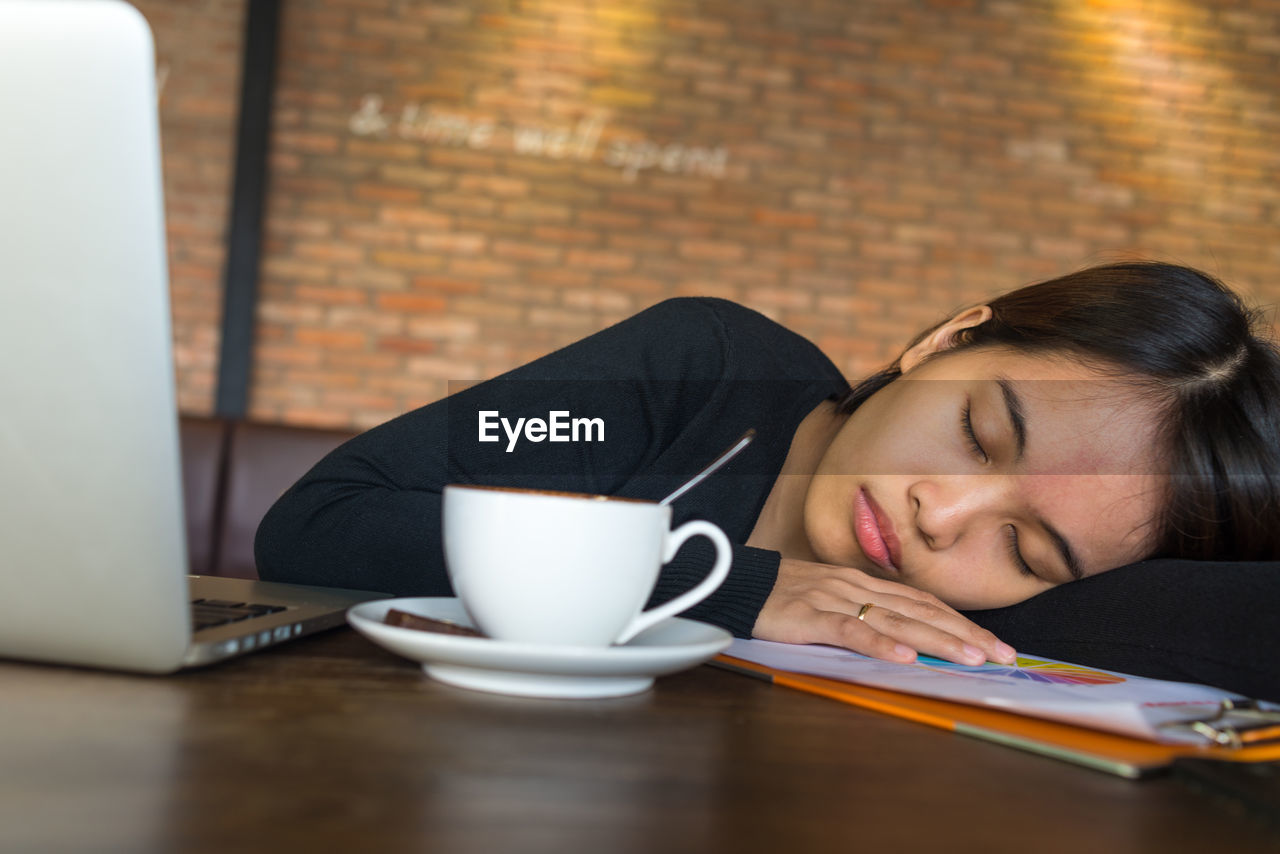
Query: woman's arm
{"type": "Point", "coordinates": [368, 515]}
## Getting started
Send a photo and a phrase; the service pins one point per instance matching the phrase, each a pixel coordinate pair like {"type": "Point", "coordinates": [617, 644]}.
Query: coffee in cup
{"type": "Point", "coordinates": [563, 568]}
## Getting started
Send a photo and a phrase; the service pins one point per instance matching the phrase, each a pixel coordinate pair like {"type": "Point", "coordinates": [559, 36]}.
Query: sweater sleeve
{"type": "Point", "coordinates": [737, 602]}
{"type": "Point", "coordinates": [368, 515]}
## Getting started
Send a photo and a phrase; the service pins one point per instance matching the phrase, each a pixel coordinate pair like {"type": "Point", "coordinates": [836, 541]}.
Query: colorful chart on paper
{"type": "Point", "coordinates": [1032, 669]}
{"type": "Point", "coordinates": [1041, 687]}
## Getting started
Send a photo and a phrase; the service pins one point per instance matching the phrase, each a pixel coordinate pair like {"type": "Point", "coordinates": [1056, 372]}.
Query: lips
{"type": "Point", "coordinates": [874, 532]}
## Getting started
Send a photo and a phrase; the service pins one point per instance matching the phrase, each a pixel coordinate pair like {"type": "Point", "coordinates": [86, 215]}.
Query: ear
{"type": "Point", "coordinates": [943, 337]}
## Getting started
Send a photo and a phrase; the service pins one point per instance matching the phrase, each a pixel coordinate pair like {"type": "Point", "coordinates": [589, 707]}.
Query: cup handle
{"type": "Point", "coordinates": [719, 572]}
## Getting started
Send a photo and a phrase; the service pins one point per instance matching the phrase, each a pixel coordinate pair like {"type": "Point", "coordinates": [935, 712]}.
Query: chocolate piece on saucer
{"type": "Point", "coordinates": [405, 620]}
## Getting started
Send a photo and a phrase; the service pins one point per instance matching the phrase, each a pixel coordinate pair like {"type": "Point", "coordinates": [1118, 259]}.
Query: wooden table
{"type": "Point", "coordinates": [331, 744]}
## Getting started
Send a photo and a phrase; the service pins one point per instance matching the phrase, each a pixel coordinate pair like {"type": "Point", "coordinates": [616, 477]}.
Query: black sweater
{"type": "Point", "coordinates": [674, 386]}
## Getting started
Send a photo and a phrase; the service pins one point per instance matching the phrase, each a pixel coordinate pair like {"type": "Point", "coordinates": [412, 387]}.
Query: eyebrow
{"type": "Point", "coordinates": [1018, 419]}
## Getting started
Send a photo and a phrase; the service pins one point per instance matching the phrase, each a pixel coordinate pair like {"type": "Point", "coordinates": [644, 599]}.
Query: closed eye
{"type": "Point", "coordinates": [1016, 553]}
{"type": "Point", "coordinates": [966, 426]}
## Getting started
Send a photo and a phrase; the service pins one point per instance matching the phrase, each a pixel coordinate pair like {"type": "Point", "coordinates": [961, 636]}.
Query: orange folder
{"type": "Point", "coordinates": [1103, 751]}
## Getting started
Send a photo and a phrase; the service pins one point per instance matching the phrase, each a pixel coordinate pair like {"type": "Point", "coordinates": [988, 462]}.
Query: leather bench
{"type": "Point", "coordinates": [232, 472]}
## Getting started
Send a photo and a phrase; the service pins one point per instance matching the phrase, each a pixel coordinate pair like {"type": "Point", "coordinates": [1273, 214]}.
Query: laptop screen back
{"type": "Point", "coordinates": [92, 556]}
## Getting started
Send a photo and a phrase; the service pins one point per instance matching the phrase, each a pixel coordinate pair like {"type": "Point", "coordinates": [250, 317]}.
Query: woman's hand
{"type": "Point", "coordinates": [819, 603]}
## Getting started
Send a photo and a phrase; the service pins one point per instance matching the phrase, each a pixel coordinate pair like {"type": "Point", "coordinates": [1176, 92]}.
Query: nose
{"type": "Point", "coordinates": [950, 508]}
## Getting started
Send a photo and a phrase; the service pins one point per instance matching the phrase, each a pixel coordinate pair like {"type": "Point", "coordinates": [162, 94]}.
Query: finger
{"type": "Point", "coordinates": [926, 610]}
{"type": "Point", "coordinates": [801, 623]}
{"type": "Point", "coordinates": [863, 583]}
{"type": "Point", "coordinates": [837, 629]}
{"type": "Point", "coordinates": [844, 590]}
{"type": "Point", "coordinates": [967, 631]}
{"type": "Point", "coordinates": [928, 638]}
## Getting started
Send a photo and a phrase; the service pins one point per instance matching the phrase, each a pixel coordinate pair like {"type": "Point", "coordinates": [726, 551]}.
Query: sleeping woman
{"type": "Point", "coordinates": [1087, 467]}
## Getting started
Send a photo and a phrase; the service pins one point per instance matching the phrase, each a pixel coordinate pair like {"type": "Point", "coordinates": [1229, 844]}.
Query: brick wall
{"type": "Point", "coordinates": [198, 63]}
{"type": "Point", "coordinates": [459, 187]}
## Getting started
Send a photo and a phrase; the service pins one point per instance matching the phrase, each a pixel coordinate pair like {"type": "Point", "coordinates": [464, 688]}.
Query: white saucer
{"type": "Point", "coordinates": [504, 667]}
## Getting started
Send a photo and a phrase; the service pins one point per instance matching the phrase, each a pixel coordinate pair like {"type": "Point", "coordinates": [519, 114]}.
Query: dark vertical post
{"type": "Point", "coordinates": [244, 230]}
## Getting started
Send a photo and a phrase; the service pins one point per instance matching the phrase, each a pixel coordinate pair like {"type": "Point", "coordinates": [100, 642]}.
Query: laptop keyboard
{"type": "Point", "coordinates": [207, 613]}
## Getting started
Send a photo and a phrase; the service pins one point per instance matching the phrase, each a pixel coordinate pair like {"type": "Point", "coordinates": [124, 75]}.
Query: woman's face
{"type": "Point", "coordinates": [986, 476]}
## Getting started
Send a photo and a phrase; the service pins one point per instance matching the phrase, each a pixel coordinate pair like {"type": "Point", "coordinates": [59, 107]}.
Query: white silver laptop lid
{"type": "Point", "coordinates": [92, 552]}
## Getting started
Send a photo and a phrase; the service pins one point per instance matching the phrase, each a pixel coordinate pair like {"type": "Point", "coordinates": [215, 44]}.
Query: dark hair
{"type": "Point", "coordinates": [1183, 336]}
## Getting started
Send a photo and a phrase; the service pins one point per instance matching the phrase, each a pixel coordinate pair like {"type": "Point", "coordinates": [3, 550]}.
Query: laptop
{"type": "Point", "coordinates": [93, 559]}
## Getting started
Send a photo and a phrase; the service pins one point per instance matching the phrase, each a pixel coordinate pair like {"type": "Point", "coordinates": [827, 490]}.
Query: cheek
{"type": "Point", "coordinates": [826, 527]}
{"type": "Point", "coordinates": [977, 580]}
{"type": "Point", "coordinates": [920, 438]}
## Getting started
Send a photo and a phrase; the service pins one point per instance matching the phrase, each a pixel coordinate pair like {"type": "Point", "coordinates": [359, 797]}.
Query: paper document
{"type": "Point", "coordinates": [1039, 687]}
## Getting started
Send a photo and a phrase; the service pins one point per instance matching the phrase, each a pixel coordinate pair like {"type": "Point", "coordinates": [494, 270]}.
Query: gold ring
{"type": "Point", "coordinates": [862, 612]}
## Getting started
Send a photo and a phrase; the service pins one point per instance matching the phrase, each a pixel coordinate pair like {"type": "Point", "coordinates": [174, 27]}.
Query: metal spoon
{"type": "Point", "coordinates": [729, 454]}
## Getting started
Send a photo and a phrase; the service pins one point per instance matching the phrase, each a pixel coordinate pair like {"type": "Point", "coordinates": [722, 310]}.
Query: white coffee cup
{"type": "Point", "coordinates": [566, 568]}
